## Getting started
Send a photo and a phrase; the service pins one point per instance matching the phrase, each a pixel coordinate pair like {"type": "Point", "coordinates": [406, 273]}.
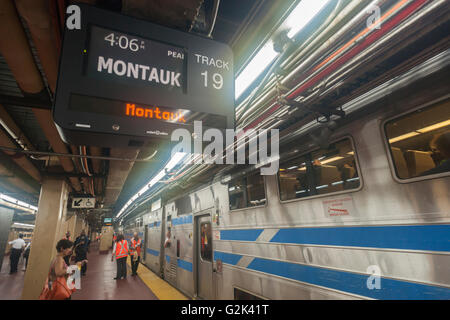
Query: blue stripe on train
{"type": "Point", "coordinates": [184, 265]}
{"type": "Point", "coordinates": [242, 235]}
{"type": "Point", "coordinates": [229, 258]}
{"type": "Point", "coordinates": [182, 220]}
{"type": "Point", "coordinates": [423, 237]}
{"type": "Point", "coordinates": [151, 225]}
{"type": "Point", "coordinates": [167, 258]}
{"type": "Point", "coordinates": [350, 282]}
{"type": "Point", "coordinates": [153, 252]}
{"type": "Point", "coordinates": [341, 280]}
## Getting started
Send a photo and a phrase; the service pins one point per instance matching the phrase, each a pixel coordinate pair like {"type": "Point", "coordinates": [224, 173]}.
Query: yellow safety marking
{"type": "Point", "coordinates": [162, 289]}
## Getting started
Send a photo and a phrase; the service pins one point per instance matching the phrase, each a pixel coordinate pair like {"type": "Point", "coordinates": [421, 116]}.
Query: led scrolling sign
{"type": "Point", "coordinates": [139, 83]}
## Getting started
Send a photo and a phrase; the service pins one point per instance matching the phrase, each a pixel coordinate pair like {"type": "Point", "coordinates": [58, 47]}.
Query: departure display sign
{"type": "Point", "coordinates": [124, 81]}
{"type": "Point", "coordinates": [107, 221]}
{"type": "Point", "coordinates": [135, 60]}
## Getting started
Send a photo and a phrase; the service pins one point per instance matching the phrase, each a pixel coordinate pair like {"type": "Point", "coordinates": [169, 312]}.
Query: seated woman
{"type": "Point", "coordinates": [440, 146]}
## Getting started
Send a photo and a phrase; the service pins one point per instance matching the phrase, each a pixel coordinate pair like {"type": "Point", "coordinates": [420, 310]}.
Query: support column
{"type": "Point", "coordinates": [71, 223]}
{"type": "Point", "coordinates": [49, 218]}
{"type": "Point", "coordinates": [78, 227]}
{"type": "Point", "coordinates": [106, 240]}
{"type": "Point", "coordinates": [6, 217]}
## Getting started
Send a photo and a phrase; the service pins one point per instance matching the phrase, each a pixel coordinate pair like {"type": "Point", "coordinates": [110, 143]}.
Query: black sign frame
{"type": "Point", "coordinates": [90, 128]}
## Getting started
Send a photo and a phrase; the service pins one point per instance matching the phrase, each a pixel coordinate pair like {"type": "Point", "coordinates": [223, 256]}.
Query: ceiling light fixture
{"type": "Point", "coordinates": [299, 17]}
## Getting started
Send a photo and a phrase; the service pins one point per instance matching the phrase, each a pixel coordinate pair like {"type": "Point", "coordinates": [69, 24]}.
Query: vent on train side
{"type": "Point", "coordinates": [244, 295]}
{"type": "Point", "coordinates": [172, 272]}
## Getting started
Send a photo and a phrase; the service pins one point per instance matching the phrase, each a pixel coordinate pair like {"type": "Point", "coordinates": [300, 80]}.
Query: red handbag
{"type": "Point", "coordinates": [56, 290]}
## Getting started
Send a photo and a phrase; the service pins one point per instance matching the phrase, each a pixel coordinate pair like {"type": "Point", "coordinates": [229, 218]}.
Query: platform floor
{"type": "Point", "coordinates": [99, 283]}
{"type": "Point", "coordinates": [11, 285]}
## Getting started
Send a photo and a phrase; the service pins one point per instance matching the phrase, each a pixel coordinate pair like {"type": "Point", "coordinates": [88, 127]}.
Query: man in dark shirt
{"type": "Point", "coordinates": [81, 255]}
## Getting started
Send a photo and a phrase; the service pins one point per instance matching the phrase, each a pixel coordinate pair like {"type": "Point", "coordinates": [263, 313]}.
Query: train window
{"type": "Point", "coordinates": [205, 241]}
{"type": "Point", "coordinates": [319, 172]}
{"type": "Point", "coordinates": [419, 142]}
{"type": "Point", "coordinates": [247, 192]}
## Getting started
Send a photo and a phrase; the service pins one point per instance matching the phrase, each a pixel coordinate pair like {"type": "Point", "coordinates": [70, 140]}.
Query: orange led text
{"type": "Point", "coordinates": [154, 113]}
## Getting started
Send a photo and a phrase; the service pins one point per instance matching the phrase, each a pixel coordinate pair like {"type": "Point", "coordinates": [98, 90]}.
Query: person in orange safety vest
{"type": "Point", "coordinates": [114, 240]}
{"type": "Point", "coordinates": [120, 251]}
{"type": "Point", "coordinates": [135, 253]}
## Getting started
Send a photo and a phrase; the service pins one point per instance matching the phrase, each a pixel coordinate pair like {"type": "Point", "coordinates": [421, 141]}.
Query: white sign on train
{"type": "Point", "coordinates": [80, 203]}
{"type": "Point", "coordinates": [339, 207]}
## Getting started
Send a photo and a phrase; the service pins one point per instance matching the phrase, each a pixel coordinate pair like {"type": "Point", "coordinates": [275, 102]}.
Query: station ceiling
{"type": "Point", "coordinates": [30, 33]}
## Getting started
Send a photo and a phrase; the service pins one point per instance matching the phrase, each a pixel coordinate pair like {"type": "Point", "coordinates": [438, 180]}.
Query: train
{"type": "Point", "coordinates": [360, 206]}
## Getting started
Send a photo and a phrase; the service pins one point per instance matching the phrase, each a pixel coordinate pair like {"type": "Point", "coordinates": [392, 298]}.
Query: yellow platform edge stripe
{"type": "Point", "coordinates": [162, 289]}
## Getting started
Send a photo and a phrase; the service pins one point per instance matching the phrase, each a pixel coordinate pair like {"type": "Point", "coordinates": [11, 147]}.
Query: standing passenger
{"type": "Point", "coordinates": [135, 253]}
{"type": "Point", "coordinates": [81, 256]}
{"type": "Point", "coordinates": [56, 287]}
{"type": "Point", "coordinates": [26, 255]}
{"type": "Point", "coordinates": [120, 251]}
{"type": "Point", "coordinates": [67, 237]}
{"type": "Point", "coordinates": [114, 239]}
{"type": "Point", "coordinates": [16, 251]}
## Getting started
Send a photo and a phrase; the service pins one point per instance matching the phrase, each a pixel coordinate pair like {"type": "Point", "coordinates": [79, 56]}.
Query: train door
{"type": "Point", "coordinates": [204, 256]}
{"type": "Point", "coordinates": [145, 241]}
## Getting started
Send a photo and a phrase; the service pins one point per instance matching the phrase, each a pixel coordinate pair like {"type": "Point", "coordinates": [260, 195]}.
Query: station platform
{"type": "Point", "coordinates": [99, 283]}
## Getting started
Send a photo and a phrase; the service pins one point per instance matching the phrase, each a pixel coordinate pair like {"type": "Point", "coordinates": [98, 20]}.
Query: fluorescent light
{"type": "Point", "coordinates": [175, 159]}
{"type": "Point", "coordinates": [254, 68]}
{"type": "Point", "coordinates": [16, 204]}
{"type": "Point", "coordinates": [22, 224]}
{"type": "Point", "coordinates": [158, 177]}
{"type": "Point", "coordinates": [8, 198]}
{"type": "Point", "coordinates": [332, 159]}
{"type": "Point", "coordinates": [403, 136]}
{"type": "Point", "coordinates": [169, 166]}
{"type": "Point", "coordinates": [419, 131]}
{"type": "Point", "coordinates": [302, 14]}
{"type": "Point", "coordinates": [434, 126]}
{"type": "Point", "coordinates": [293, 167]}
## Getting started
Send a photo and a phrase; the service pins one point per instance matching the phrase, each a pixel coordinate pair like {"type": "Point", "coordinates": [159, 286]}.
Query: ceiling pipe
{"type": "Point", "coordinates": [22, 161]}
{"type": "Point", "coordinates": [213, 18]}
{"type": "Point", "coordinates": [12, 178]}
{"type": "Point", "coordinates": [79, 168]}
{"type": "Point", "coordinates": [97, 165]}
{"type": "Point", "coordinates": [13, 129]}
{"type": "Point", "coordinates": [69, 155]}
{"type": "Point", "coordinates": [16, 51]}
{"type": "Point", "coordinates": [89, 187]}
{"type": "Point", "coordinates": [37, 15]}
{"type": "Point", "coordinates": [45, 120]}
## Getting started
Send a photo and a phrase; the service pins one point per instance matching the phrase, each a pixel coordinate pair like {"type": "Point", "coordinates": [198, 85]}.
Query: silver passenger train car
{"type": "Point", "coordinates": [357, 211]}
